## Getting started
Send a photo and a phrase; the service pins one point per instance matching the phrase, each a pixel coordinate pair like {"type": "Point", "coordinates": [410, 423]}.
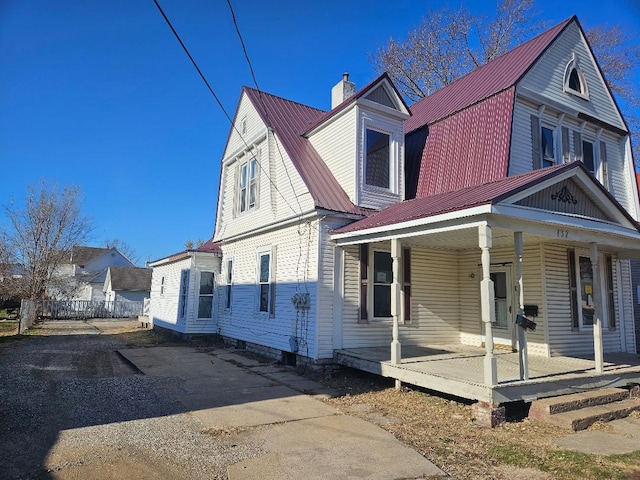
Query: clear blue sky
{"type": "Point", "coordinates": [99, 94]}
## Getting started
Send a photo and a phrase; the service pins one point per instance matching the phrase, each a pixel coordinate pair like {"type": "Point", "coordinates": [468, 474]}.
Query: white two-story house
{"type": "Point", "coordinates": [497, 215]}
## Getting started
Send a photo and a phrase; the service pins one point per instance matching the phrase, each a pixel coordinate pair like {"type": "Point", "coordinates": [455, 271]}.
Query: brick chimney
{"type": "Point", "coordinates": [342, 90]}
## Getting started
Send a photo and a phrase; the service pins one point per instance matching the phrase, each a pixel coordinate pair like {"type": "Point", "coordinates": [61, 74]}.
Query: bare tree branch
{"type": "Point", "coordinates": [43, 232]}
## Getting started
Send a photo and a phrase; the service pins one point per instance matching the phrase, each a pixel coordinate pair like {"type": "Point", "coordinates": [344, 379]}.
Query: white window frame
{"type": "Point", "coordinates": [571, 66]}
{"type": "Point", "coordinates": [604, 293]}
{"type": "Point", "coordinates": [248, 174]}
{"type": "Point", "coordinates": [269, 282]}
{"type": "Point", "coordinates": [374, 281]}
{"type": "Point", "coordinates": [394, 181]}
{"type": "Point", "coordinates": [201, 295]}
{"type": "Point", "coordinates": [554, 135]}
{"type": "Point", "coordinates": [184, 293]}
{"type": "Point", "coordinates": [228, 298]}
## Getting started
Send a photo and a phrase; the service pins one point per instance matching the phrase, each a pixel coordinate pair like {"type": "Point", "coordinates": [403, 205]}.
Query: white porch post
{"type": "Point", "coordinates": [396, 252]}
{"type": "Point", "coordinates": [597, 303]}
{"type": "Point", "coordinates": [523, 352]}
{"type": "Point", "coordinates": [487, 305]}
{"type": "Point", "coordinates": [338, 295]}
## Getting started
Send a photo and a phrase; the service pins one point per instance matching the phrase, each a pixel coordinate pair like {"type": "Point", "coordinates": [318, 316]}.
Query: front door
{"type": "Point", "coordinates": [503, 323]}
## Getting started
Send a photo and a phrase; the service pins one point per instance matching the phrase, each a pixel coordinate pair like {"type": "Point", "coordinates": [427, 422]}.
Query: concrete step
{"type": "Point", "coordinates": [543, 409]}
{"type": "Point", "coordinates": [582, 418]}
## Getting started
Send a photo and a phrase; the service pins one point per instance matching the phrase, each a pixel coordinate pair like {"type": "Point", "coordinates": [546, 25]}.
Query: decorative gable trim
{"type": "Point", "coordinates": [565, 197]}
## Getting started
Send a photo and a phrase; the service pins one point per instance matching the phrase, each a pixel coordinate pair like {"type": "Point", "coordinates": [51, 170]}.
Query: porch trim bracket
{"type": "Point", "coordinates": [487, 304]}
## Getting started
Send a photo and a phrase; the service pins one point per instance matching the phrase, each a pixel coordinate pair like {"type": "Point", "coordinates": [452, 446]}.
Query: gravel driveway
{"type": "Point", "coordinates": [72, 407]}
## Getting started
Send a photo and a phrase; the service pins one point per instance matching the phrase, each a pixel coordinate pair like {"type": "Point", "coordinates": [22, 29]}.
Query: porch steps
{"type": "Point", "coordinates": [580, 410]}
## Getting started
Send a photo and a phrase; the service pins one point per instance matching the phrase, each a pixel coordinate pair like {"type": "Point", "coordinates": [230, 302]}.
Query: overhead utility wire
{"type": "Point", "coordinates": [166, 19]}
{"type": "Point", "coordinates": [264, 107]}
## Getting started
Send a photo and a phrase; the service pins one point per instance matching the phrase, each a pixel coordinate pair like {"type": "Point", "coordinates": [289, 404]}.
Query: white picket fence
{"type": "Point", "coordinates": [84, 309]}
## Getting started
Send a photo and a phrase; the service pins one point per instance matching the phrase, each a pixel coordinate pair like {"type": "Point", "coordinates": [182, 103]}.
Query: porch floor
{"type": "Point", "coordinates": [459, 370]}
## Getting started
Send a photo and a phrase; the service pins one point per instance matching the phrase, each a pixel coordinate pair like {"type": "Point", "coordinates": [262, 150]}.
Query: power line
{"type": "Point", "coordinates": [260, 96]}
{"type": "Point", "coordinates": [220, 103]}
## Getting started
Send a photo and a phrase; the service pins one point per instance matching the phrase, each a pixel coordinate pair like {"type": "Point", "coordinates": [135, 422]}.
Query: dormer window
{"type": "Point", "coordinates": [575, 81]}
{"type": "Point", "coordinates": [377, 161]}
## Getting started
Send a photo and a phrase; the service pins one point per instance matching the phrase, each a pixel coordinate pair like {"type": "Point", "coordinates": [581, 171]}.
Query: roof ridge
{"type": "Point", "coordinates": [262, 92]}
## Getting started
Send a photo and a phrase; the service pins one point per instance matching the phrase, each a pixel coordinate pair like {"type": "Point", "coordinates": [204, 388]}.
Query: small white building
{"type": "Point", "coordinates": [184, 294]}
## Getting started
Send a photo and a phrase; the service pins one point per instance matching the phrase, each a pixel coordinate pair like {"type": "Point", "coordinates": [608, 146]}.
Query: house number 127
{"type": "Point", "coordinates": [562, 233]}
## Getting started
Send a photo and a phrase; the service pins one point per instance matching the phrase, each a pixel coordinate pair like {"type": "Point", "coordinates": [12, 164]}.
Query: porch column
{"type": "Point", "coordinates": [487, 305]}
{"type": "Point", "coordinates": [396, 252]}
{"type": "Point", "coordinates": [523, 352]}
{"type": "Point", "coordinates": [597, 303]}
{"type": "Point", "coordinates": [338, 295]}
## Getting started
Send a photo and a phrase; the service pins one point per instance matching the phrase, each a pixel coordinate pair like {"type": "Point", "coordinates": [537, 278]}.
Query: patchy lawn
{"type": "Point", "coordinates": [8, 328]}
{"type": "Point", "coordinates": [442, 429]}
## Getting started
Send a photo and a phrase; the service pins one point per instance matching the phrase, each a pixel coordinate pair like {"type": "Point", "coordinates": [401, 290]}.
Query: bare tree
{"type": "Point", "coordinates": [124, 248]}
{"type": "Point", "coordinates": [43, 231]}
{"type": "Point", "coordinates": [450, 43]}
{"type": "Point", "coordinates": [619, 55]}
{"type": "Point", "coordinates": [190, 245]}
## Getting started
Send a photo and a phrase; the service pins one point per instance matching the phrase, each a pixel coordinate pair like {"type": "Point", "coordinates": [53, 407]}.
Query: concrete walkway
{"type": "Point", "coordinates": [612, 438]}
{"type": "Point", "coordinates": [302, 436]}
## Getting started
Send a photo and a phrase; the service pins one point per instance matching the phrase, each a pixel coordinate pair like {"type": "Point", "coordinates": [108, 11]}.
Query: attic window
{"type": "Point", "coordinates": [575, 81]}
{"type": "Point", "coordinates": [377, 161]}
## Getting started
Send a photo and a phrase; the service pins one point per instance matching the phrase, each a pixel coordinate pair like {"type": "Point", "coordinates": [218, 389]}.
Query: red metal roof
{"type": "Point", "coordinates": [487, 193]}
{"type": "Point", "coordinates": [289, 120]}
{"type": "Point", "coordinates": [493, 77]}
{"type": "Point", "coordinates": [469, 148]}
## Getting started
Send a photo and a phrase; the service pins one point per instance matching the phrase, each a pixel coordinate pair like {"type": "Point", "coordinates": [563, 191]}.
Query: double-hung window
{"type": "Point", "coordinates": [227, 301]}
{"type": "Point", "coordinates": [184, 288]}
{"type": "Point", "coordinates": [266, 282]}
{"type": "Point", "coordinates": [205, 295]}
{"type": "Point", "coordinates": [248, 185]}
{"type": "Point", "coordinates": [377, 163]}
{"type": "Point", "coordinates": [547, 146]}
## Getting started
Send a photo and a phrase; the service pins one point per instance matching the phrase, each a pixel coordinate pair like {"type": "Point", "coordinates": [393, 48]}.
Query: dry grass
{"type": "Point", "coordinates": [443, 431]}
{"type": "Point", "coordinates": [8, 328]}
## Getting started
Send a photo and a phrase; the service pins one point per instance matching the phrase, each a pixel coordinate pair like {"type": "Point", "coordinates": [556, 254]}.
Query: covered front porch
{"type": "Point", "coordinates": [459, 370]}
{"type": "Point", "coordinates": [506, 291]}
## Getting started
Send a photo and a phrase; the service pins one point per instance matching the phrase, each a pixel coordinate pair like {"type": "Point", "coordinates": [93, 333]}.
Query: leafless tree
{"type": "Point", "coordinates": [124, 248]}
{"type": "Point", "coordinates": [190, 245]}
{"type": "Point", "coordinates": [42, 232]}
{"type": "Point", "coordinates": [450, 43]}
{"type": "Point", "coordinates": [619, 56]}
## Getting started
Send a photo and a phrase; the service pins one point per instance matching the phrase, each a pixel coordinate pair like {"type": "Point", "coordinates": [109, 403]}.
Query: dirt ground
{"type": "Point", "coordinates": [441, 429]}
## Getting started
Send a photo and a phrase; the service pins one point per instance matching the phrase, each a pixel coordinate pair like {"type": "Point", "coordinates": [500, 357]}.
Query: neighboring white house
{"type": "Point", "coordinates": [127, 284]}
{"type": "Point", "coordinates": [82, 274]}
{"type": "Point", "coordinates": [183, 290]}
{"type": "Point", "coordinates": [509, 194]}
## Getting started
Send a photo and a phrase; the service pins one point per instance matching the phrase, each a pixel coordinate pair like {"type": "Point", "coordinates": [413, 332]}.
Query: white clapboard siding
{"type": "Point", "coordinates": [164, 306]}
{"type": "Point", "coordinates": [326, 282]}
{"type": "Point", "coordinates": [547, 77]}
{"type": "Point", "coordinates": [562, 340]}
{"type": "Point", "coordinates": [620, 181]}
{"type": "Point", "coordinates": [281, 192]}
{"type": "Point", "coordinates": [434, 307]}
{"type": "Point", "coordinates": [296, 251]}
{"type": "Point", "coordinates": [246, 111]}
{"type": "Point", "coordinates": [625, 312]}
{"type": "Point", "coordinates": [336, 144]}
{"type": "Point", "coordinates": [470, 316]}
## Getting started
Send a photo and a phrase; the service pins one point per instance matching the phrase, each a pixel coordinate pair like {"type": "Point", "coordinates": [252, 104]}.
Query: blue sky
{"type": "Point", "coordinates": [99, 94]}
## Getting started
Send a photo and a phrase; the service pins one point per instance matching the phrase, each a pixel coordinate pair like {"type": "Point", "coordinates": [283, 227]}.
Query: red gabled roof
{"type": "Point", "coordinates": [488, 193]}
{"type": "Point", "coordinates": [483, 82]}
{"type": "Point", "coordinates": [289, 120]}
